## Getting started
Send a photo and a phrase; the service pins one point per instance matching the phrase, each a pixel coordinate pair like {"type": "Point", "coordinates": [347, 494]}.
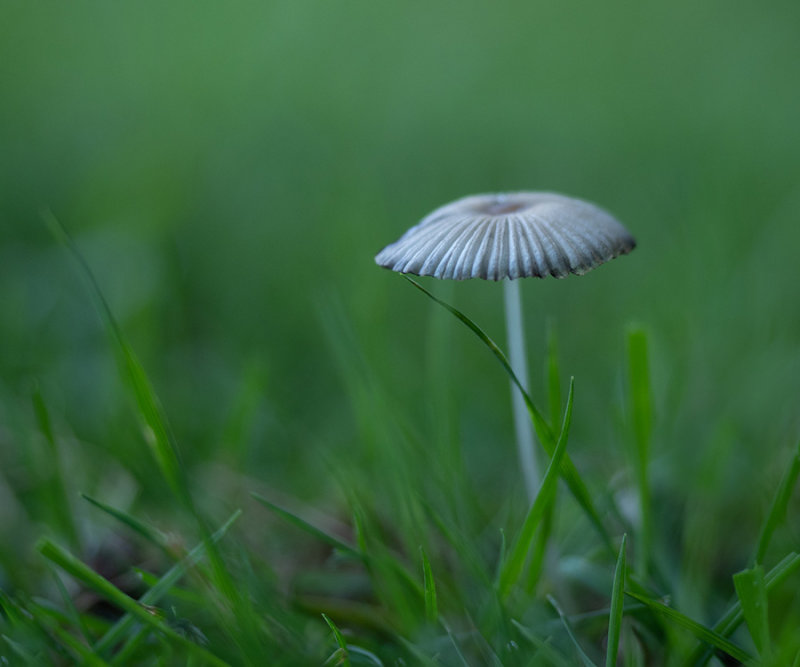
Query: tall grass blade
{"type": "Point", "coordinates": [777, 511]}
{"type": "Point", "coordinates": [429, 588]}
{"type": "Point", "coordinates": [540, 544]}
{"type": "Point", "coordinates": [615, 614]}
{"type": "Point", "coordinates": [107, 590]}
{"type": "Point", "coordinates": [131, 522]}
{"type": "Point", "coordinates": [697, 629]}
{"type": "Point", "coordinates": [303, 525]}
{"type": "Point", "coordinates": [752, 594]}
{"type": "Point", "coordinates": [513, 567]}
{"type": "Point", "coordinates": [156, 431]}
{"type": "Point", "coordinates": [641, 412]}
{"type": "Point", "coordinates": [545, 434]}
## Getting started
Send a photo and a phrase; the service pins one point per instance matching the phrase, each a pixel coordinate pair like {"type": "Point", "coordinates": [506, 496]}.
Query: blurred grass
{"type": "Point", "coordinates": [229, 174]}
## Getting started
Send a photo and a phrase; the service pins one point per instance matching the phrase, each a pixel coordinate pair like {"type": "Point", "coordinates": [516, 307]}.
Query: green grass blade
{"type": "Point", "coordinates": [545, 434]}
{"type": "Point", "coordinates": [154, 595]}
{"type": "Point", "coordinates": [513, 567]}
{"type": "Point", "coordinates": [777, 511]}
{"type": "Point", "coordinates": [134, 524]}
{"type": "Point", "coordinates": [641, 412]}
{"type": "Point", "coordinates": [156, 430]}
{"type": "Point", "coordinates": [308, 528]}
{"type": "Point", "coordinates": [615, 614]}
{"type": "Point", "coordinates": [429, 588]}
{"type": "Point", "coordinates": [107, 590]}
{"type": "Point", "coordinates": [697, 629]}
{"type": "Point", "coordinates": [540, 543]}
{"type": "Point", "coordinates": [344, 656]}
{"type": "Point", "coordinates": [542, 428]}
{"type": "Point", "coordinates": [587, 661]}
{"type": "Point", "coordinates": [752, 594]}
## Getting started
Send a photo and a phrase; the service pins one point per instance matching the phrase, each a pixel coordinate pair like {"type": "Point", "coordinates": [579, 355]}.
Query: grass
{"type": "Point", "coordinates": [486, 597]}
{"type": "Point", "coordinates": [265, 449]}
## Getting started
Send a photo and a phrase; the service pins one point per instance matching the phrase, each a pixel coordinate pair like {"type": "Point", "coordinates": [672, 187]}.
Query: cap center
{"type": "Point", "coordinates": [501, 205]}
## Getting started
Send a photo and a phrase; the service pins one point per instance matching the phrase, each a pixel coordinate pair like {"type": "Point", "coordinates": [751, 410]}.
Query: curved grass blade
{"type": "Point", "coordinates": [133, 523]}
{"type": "Point", "coordinates": [543, 430]}
{"type": "Point", "coordinates": [698, 630]}
{"type": "Point", "coordinates": [777, 511]}
{"type": "Point", "coordinates": [615, 614]}
{"type": "Point", "coordinates": [540, 543]}
{"type": "Point", "coordinates": [308, 528]}
{"type": "Point", "coordinates": [156, 431]}
{"type": "Point", "coordinates": [512, 569]}
{"type": "Point", "coordinates": [545, 434]}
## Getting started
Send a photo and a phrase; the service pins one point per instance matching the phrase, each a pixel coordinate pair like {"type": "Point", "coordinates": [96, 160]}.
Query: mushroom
{"type": "Point", "coordinates": [505, 236]}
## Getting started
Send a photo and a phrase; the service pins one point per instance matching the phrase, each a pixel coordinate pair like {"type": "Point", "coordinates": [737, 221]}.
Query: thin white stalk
{"type": "Point", "coordinates": [523, 427]}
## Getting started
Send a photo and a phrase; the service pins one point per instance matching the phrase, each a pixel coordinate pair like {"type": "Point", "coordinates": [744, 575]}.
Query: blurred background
{"type": "Point", "coordinates": [229, 172]}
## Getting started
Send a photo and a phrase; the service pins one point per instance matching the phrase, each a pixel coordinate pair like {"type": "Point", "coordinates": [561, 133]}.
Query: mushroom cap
{"type": "Point", "coordinates": [508, 235]}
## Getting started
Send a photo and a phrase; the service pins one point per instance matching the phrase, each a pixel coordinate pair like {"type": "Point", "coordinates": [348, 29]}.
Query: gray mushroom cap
{"type": "Point", "coordinates": [511, 235]}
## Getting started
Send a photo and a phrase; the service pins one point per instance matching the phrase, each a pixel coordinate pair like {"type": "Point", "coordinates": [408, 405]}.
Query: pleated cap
{"type": "Point", "coordinates": [509, 235]}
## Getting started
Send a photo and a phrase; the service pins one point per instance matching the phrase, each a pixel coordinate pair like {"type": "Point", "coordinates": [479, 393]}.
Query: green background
{"type": "Point", "coordinates": [230, 170]}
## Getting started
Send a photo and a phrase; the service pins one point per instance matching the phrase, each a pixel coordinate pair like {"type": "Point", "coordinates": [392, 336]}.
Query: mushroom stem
{"type": "Point", "coordinates": [523, 426]}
